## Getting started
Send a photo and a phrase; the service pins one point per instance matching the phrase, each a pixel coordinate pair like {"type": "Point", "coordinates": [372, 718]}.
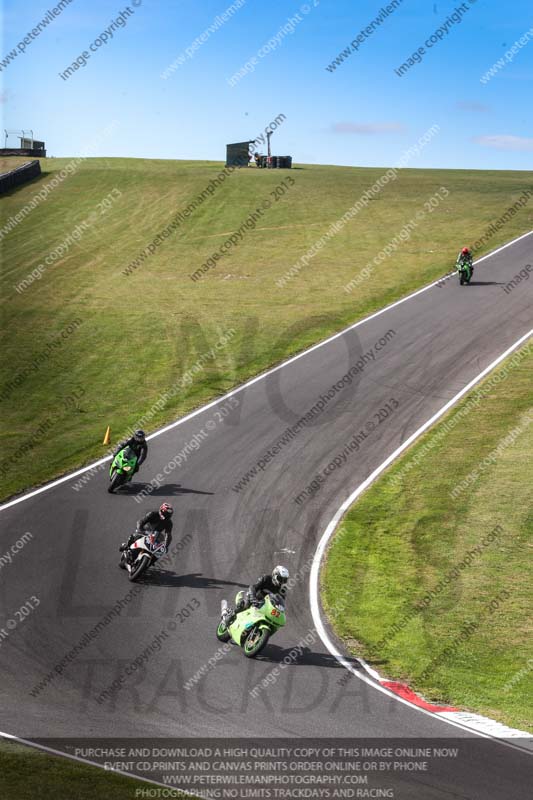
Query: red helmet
{"type": "Point", "coordinates": [465, 251]}
{"type": "Point", "coordinates": [165, 510]}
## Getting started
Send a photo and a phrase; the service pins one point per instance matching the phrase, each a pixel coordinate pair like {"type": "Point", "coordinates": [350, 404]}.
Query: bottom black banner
{"type": "Point", "coordinates": [314, 768]}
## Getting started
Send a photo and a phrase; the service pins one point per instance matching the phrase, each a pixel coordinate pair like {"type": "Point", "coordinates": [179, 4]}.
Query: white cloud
{"type": "Point", "coordinates": [505, 142]}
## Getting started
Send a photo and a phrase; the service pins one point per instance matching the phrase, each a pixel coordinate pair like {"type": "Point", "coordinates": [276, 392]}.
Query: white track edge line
{"type": "Point", "coordinates": [257, 378]}
{"type": "Point", "coordinates": [330, 529]}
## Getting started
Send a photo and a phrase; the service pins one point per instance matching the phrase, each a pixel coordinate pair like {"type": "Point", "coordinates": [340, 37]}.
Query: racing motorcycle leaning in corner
{"type": "Point", "coordinates": [149, 543]}
{"type": "Point", "coordinates": [258, 613]}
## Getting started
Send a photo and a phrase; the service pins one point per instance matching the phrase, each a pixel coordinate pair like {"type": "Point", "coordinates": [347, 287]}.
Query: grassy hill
{"type": "Point", "coordinates": [90, 343]}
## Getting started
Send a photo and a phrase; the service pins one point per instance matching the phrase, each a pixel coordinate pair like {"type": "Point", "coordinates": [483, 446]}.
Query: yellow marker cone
{"type": "Point", "coordinates": [107, 437]}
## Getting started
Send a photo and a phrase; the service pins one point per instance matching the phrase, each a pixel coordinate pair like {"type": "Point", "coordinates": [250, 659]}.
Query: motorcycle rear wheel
{"type": "Point", "coordinates": [223, 633]}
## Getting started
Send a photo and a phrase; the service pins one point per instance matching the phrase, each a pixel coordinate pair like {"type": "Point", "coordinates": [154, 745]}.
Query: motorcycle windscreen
{"type": "Point", "coordinates": [128, 454]}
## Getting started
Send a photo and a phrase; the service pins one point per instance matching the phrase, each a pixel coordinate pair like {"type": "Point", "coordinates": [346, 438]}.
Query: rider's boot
{"type": "Point", "coordinates": [228, 617]}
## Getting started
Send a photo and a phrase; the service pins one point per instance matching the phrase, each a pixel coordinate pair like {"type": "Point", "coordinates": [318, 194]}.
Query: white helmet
{"type": "Point", "coordinates": [280, 576]}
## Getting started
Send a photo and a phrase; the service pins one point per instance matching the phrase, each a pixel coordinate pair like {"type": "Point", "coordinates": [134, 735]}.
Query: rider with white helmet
{"type": "Point", "coordinates": [276, 583]}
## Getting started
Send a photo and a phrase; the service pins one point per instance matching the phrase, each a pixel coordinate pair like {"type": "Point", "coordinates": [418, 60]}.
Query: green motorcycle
{"type": "Point", "coordinates": [465, 270]}
{"type": "Point", "coordinates": [253, 627]}
{"type": "Point", "coordinates": [122, 468]}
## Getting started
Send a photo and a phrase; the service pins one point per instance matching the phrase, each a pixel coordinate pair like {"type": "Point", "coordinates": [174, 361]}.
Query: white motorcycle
{"type": "Point", "coordinates": [141, 554]}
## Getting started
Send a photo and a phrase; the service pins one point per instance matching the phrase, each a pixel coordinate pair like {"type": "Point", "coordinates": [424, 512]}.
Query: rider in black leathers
{"type": "Point", "coordinates": [158, 522]}
{"type": "Point", "coordinates": [138, 444]}
{"type": "Point", "coordinates": [276, 583]}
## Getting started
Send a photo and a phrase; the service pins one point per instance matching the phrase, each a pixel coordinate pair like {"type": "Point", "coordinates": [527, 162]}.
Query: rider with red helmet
{"type": "Point", "coordinates": [465, 258]}
{"type": "Point", "coordinates": [158, 522]}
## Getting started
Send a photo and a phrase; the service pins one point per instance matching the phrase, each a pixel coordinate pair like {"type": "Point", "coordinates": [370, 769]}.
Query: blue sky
{"type": "Point", "coordinates": [361, 113]}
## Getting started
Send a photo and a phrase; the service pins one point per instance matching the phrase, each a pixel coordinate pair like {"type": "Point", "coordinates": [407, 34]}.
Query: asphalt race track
{"type": "Point", "coordinates": [442, 338]}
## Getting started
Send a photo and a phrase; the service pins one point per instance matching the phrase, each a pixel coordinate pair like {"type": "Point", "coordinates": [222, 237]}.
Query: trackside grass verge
{"type": "Point", "coordinates": [429, 576]}
{"type": "Point", "coordinates": [138, 333]}
{"type": "Point", "coordinates": [27, 773]}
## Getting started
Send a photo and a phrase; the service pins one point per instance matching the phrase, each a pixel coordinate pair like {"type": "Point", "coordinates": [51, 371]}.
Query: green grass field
{"type": "Point", "coordinates": [134, 336]}
{"type": "Point", "coordinates": [27, 773]}
{"type": "Point", "coordinates": [431, 550]}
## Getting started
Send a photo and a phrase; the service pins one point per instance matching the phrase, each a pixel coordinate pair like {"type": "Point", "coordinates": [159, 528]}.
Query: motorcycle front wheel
{"type": "Point", "coordinates": [140, 565]}
{"type": "Point", "coordinates": [255, 641]}
{"type": "Point", "coordinates": [116, 481]}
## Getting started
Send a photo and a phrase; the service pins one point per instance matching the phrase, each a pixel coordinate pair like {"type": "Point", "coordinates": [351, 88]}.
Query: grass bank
{"type": "Point", "coordinates": [86, 345]}
{"type": "Point", "coordinates": [27, 773]}
{"type": "Point", "coordinates": [429, 576]}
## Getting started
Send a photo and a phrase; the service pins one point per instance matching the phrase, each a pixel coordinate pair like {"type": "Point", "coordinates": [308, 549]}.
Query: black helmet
{"type": "Point", "coordinates": [139, 435]}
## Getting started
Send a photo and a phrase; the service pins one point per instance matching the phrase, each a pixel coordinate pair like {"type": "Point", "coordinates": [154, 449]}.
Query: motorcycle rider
{"type": "Point", "coordinates": [465, 259]}
{"type": "Point", "coordinates": [158, 522]}
{"type": "Point", "coordinates": [137, 442]}
{"type": "Point", "coordinates": [255, 595]}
